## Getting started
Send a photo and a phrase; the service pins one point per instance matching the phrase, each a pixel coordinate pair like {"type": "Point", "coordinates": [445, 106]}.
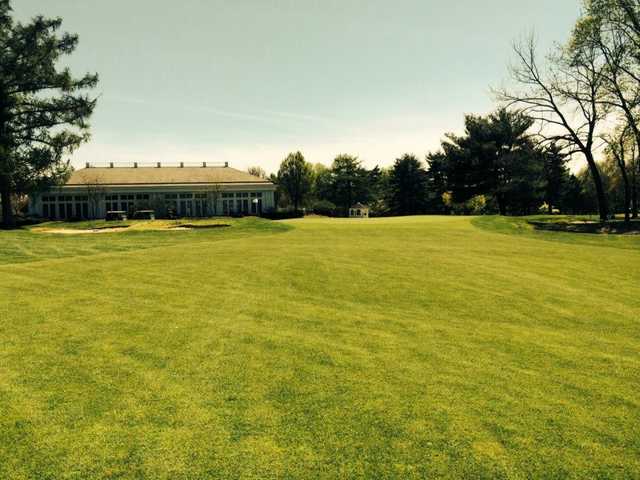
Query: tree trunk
{"type": "Point", "coordinates": [502, 207]}
{"type": "Point", "coordinates": [550, 208]}
{"type": "Point", "coordinates": [635, 164]}
{"type": "Point", "coordinates": [8, 220]}
{"type": "Point", "coordinates": [627, 190]}
{"type": "Point", "coordinates": [603, 207]}
{"type": "Point", "coordinates": [635, 176]}
{"type": "Point", "coordinates": [634, 197]}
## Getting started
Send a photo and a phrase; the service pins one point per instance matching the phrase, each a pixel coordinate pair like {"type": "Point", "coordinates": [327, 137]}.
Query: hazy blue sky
{"type": "Point", "coordinates": [248, 81]}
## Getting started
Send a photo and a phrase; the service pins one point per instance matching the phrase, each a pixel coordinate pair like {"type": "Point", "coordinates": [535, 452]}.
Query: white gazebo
{"type": "Point", "coordinates": [359, 211]}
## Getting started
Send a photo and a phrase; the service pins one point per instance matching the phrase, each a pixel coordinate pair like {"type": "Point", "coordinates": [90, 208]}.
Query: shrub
{"type": "Point", "coordinates": [283, 214]}
{"type": "Point", "coordinates": [323, 207]}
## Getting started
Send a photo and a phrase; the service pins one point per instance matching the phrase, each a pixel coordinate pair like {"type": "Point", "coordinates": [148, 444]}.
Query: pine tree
{"type": "Point", "coordinates": [408, 186]}
{"type": "Point", "coordinates": [43, 111]}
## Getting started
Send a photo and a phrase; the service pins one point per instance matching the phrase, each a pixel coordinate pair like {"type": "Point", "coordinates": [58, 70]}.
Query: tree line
{"type": "Point", "coordinates": [581, 102]}
{"type": "Point", "coordinates": [494, 167]}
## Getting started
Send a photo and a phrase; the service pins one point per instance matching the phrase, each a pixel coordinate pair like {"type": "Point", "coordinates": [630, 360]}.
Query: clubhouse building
{"type": "Point", "coordinates": [185, 191]}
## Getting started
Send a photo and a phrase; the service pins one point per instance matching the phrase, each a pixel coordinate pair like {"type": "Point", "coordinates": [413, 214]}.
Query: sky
{"type": "Point", "coordinates": [248, 81]}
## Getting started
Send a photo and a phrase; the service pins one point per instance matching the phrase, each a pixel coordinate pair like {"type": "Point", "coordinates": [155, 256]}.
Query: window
{"type": "Point", "coordinates": [142, 196]}
{"type": "Point", "coordinates": [186, 195]}
{"type": "Point", "coordinates": [170, 196]}
{"type": "Point", "coordinates": [201, 208]}
{"type": "Point", "coordinates": [245, 194]}
{"type": "Point", "coordinates": [201, 195]}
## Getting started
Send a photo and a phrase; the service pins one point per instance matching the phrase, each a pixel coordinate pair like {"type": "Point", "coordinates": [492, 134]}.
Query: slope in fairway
{"type": "Point", "coordinates": [319, 348]}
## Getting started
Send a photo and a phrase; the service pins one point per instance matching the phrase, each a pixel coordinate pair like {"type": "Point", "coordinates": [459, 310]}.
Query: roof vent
{"type": "Point", "coordinates": [226, 164]}
{"type": "Point", "coordinates": [110, 164]}
{"type": "Point", "coordinates": [181, 164]}
{"type": "Point", "coordinates": [87, 165]}
{"type": "Point", "coordinates": [135, 164]}
{"type": "Point", "coordinates": [204, 164]}
{"type": "Point", "coordinates": [159, 165]}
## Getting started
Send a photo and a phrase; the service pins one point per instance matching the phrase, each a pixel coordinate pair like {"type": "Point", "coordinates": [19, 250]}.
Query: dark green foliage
{"type": "Point", "coordinates": [43, 110]}
{"type": "Point", "coordinates": [437, 182]}
{"type": "Point", "coordinates": [350, 182]}
{"type": "Point", "coordinates": [321, 189]}
{"type": "Point", "coordinates": [323, 207]}
{"type": "Point", "coordinates": [408, 186]}
{"type": "Point", "coordinates": [573, 199]}
{"type": "Point", "coordinates": [555, 174]}
{"type": "Point", "coordinates": [283, 214]}
{"type": "Point", "coordinates": [294, 177]}
{"type": "Point", "coordinates": [495, 157]}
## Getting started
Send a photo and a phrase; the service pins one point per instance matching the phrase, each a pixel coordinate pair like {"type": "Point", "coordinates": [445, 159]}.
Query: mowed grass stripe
{"type": "Point", "coordinates": [391, 348]}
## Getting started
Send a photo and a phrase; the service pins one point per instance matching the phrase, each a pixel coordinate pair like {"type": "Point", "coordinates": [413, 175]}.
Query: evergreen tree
{"type": "Point", "coordinates": [43, 111]}
{"type": "Point", "coordinates": [350, 182]}
{"type": "Point", "coordinates": [555, 175]}
{"type": "Point", "coordinates": [436, 183]}
{"type": "Point", "coordinates": [408, 186]}
{"type": "Point", "coordinates": [494, 157]}
{"type": "Point", "coordinates": [573, 198]}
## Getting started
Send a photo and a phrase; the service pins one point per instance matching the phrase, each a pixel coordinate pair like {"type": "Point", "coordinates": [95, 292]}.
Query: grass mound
{"type": "Point", "coordinates": [565, 229]}
{"type": "Point", "coordinates": [44, 241]}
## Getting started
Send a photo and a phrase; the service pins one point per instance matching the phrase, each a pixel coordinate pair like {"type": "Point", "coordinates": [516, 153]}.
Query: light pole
{"type": "Point", "coordinates": [255, 202]}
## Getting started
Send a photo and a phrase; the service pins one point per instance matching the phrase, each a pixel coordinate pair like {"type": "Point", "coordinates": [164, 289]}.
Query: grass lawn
{"type": "Point", "coordinates": [418, 347]}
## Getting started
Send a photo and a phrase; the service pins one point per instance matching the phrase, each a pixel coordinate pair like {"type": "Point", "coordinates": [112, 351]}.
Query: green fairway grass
{"type": "Point", "coordinates": [417, 347]}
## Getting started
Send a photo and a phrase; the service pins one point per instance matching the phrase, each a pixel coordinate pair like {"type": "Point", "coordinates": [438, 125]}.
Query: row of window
{"type": "Point", "coordinates": [144, 196]}
{"type": "Point", "coordinates": [184, 196]}
{"type": "Point", "coordinates": [242, 195]}
{"type": "Point", "coordinates": [64, 198]}
{"type": "Point", "coordinates": [241, 206]}
{"type": "Point", "coordinates": [184, 204]}
{"type": "Point", "coordinates": [129, 196]}
{"type": "Point", "coordinates": [65, 210]}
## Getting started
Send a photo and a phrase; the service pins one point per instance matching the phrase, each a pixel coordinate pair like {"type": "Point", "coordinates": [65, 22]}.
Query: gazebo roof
{"type": "Point", "coordinates": [359, 205]}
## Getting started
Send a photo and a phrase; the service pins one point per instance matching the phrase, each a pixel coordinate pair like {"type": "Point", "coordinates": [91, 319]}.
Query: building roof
{"type": "Point", "coordinates": [161, 176]}
{"type": "Point", "coordinates": [359, 205]}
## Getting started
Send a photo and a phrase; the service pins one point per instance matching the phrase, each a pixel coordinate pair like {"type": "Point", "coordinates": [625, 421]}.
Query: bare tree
{"type": "Point", "coordinates": [621, 146]}
{"type": "Point", "coordinates": [613, 27]}
{"type": "Point", "coordinates": [95, 192]}
{"type": "Point", "coordinates": [214, 192]}
{"type": "Point", "coordinates": [257, 172]}
{"type": "Point", "coordinates": [565, 100]}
